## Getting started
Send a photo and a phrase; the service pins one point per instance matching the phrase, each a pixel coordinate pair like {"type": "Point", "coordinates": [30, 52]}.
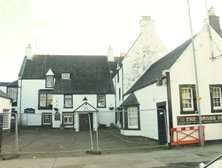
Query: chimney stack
{"type": "Point", "coordinates": [110, 54]}
{"type": "Point", "coordinates": [29, 52]}
{"type": "Point", "coordinates": [146, 24]}
{"type": "Point", "coordinates": [214, 21]}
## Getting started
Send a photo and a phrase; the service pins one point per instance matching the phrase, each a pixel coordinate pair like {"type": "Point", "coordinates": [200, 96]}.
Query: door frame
{"type": "Point", "coordinates": [162, 128]}
{"type": "Point", "coordinates": [91, 121]}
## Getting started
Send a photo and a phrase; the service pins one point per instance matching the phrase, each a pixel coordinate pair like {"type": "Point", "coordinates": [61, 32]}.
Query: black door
{"type": "Point", "coordinates": [161, 116]}
{"type": "Point", "coordinates": [84, 122]}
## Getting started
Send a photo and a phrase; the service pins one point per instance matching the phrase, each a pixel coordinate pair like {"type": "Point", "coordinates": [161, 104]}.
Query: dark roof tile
{"type": "Point", "coordinates": [89, 74]}
{"type": "Point", "coordinates": [131, 100]}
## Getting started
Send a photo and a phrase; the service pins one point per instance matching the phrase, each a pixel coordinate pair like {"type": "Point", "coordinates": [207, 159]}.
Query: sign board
{"type": "Point", "coordinates": [29, 110]}
{"type": "Point", "coordinates": [206, 119]}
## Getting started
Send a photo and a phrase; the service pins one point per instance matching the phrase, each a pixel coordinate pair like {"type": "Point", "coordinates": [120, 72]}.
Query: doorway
{"type": "Point", "coordinates": [84, 122]}
{"type": "Point", "coordinates": [161, 117]}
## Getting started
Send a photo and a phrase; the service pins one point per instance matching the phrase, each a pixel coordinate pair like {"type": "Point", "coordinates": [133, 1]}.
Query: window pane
{"type": "Point", "coordinates": [47, 118]}
{"type": "Point", "coordinates": [49, 81]}
{"type": "Point", "coordinates": [45, 100]}
{"type": "Point", "coordinates": [42, 102]}
{"type": "Point", "coordinates": [101, 100]}
{"type": "Point", "coordinates": [68, 100]}
{"type": "Point", "coordinates": [187, 98]}
{"type": "Point", "coordinates": [6, 118]}
{"type": "Point", "coordinates": [49, 100]}
{"type": "Point", "coordinates": [65, 75]}
{"type": "Point", "coordinates": [132, 117]}
{"type": "Point", "coordinates": [216, 97]}
{"type": "Point", "coordinates": [68, 118]}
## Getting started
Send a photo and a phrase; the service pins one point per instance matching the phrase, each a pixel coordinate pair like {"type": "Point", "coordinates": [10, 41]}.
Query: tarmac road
{"type": "Point", "coordinates": [180, 157]}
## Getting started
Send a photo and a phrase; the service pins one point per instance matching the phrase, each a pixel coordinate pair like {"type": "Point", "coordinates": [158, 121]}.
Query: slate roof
{"type": "Point", "coordinates": [155, 71]}
{"type": "Point", "coordinates": [4, 83]}
{"type": "Point", "coordinates": [2, 94]}
{"type": "Point", "coordinates": [131, 100]}
{"type": "Point", "coordinates": [89, 74]}
{"type": "Point", "coordinates": [12, 84]}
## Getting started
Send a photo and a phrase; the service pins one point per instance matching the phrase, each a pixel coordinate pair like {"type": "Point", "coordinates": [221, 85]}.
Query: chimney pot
{"type": "Point", "coordinates": [110, 54]}
{"type": "Point", "coordinates": [29, 51]}
{"type": "Point", "coordinates": [147, 25]}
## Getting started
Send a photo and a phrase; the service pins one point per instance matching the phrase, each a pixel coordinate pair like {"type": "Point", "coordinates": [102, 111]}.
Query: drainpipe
{"type": "Point", "coordinates": [169, 103]}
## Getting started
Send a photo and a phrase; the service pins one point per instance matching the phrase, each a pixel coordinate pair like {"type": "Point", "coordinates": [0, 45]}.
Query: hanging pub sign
{"type": "Point", "coordinates": [206, 119]}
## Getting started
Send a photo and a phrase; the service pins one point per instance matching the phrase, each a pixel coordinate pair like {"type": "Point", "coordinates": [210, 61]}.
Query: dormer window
{"type": "Point", "coordinates": [66, 76]}
{"type": "Point", "coordinates": [49, 79]}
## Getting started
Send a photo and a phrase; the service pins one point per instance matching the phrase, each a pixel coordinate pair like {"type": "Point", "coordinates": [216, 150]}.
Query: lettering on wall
{"type": "Point", "coordinates": [206, 119]}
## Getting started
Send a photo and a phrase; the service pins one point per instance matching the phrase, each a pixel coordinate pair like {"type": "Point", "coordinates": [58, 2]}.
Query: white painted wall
{"type": "Point", "coordinates": [148, 97]}
{"type": "Point", "coordinates": [118, 85]}
{"type": "Point", "coordinates": [6, 104]}
{"type": "Point", "coordinates": [209, 72]}
{"type": "Point", "coordinates": [103, 116]}
{"type": "Point", "coordinates": [30, 96]}
{"type": "Point", "coordinates": [146, 49]}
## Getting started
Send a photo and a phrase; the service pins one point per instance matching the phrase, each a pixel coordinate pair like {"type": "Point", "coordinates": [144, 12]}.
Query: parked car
{"type": "Point", "coordinates": [215, 163]}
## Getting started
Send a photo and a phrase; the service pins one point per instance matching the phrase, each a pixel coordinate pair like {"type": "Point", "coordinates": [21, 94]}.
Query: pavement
{"type": "Point", "coordinates": [177, 157]}
{"type": "Point", "coordinates": [49, 148]}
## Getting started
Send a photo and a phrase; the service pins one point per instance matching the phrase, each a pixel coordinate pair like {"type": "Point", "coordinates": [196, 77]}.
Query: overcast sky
{"type": "Point", "coordinates": [89, 27]}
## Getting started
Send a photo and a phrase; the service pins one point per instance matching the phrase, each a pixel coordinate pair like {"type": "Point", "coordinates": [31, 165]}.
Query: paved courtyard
{"type": "Point", "coordinates": [47, 141]}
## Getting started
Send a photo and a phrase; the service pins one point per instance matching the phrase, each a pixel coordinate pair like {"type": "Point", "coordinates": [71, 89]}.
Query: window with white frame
{"type": "Point", "coordinates": [188, 99]}
{"type": "Point", "coordinates": [67, 118]}
{"type": "Point", "coordinates": [6, 122]}
{"type": "Point", "coordinates": [216, 98]}
{"type": "Point", "coordinates": [101, 101]}
{"type": "Point", "coordinates": [66, 76]}
{"type": "Point", "coordinates": [132, 113]}
{"type": "Point", "coordinates": [46, 118]}
{"type": "Point", "coordinates": [68, 101]}
{"type": "Point", "coordinates": [45, 99]}
{"type": "Point", "coordinates": [49, 81]}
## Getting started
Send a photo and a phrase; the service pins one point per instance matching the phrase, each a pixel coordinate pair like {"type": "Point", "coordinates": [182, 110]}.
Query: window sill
{"type": "Point", "coordinates": [188, 112]}
{"type": "Point", "coordinates": [45, 108]}
{"type": "Point", "coordinates": [101, 107]}
{"type": "Point", "coordinates": [217, 111]}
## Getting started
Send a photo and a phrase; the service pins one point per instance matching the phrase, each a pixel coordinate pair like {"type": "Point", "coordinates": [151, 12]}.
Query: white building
{"type": "Point", "coordinates": [66, 91]}
{"type": "Point", "coordinates": [169, 85]}
{"type": "Point", "coordinates": [146, 49]}
{"type": "Point", "coordinates": [5, 110]}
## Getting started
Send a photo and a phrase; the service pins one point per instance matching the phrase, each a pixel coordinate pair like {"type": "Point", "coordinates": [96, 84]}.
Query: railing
{"type": "Point", "coordinates": [185, 135]}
